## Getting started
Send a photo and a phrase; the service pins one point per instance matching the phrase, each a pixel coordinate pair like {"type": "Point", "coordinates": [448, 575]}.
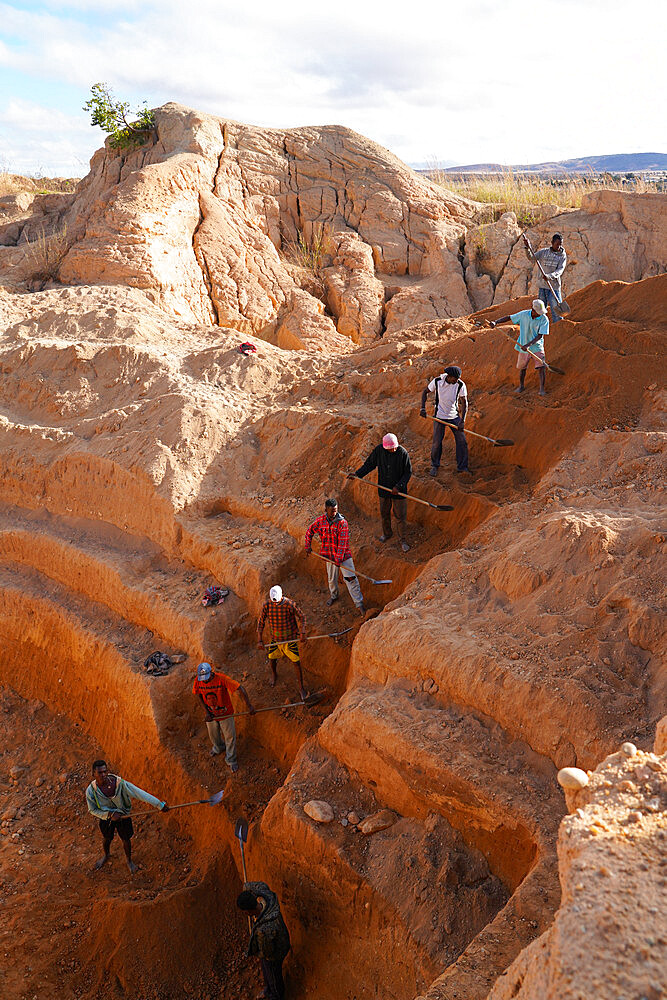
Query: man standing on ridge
{"type": "Point", "coordinates": [335, 546]}
{"type": "Point", "coordinates": [214, 691]}
{"type": "Point", "coordinates": [450, 395]}
{"type": "Point", "coordinates": [394, 470]}
{"type": "Point", "coordinates": [553, 260]}
{"type": "Point", "coordinates": [286, 623]}
{"type": "Point", "coordinates": [269, 937]}
{"type": "Point", "coordinates": [109, 799]}
{"type": "Point", "coordinates": [533, 328]}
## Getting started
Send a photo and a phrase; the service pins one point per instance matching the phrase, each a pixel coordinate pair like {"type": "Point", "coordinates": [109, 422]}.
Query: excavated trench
{"type": "Point", "coordinates": [97, 570]}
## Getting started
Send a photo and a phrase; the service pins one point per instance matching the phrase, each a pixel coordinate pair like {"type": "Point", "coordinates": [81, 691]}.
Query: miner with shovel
{"type": "Point", "coordinates": [551, 263]}
{"type": "Point", "coordinates": [394, 470]}
{"type": "Point", "coordinates": [451, 406]}
{"type": "Point", "coordinates": [214, 691]}
{"type": "Point", "coordinates": [335, 550]}
{"type": "Point", "coordinates": [109, 799]}
{"type": "Point", "coordinates": [286, 623]}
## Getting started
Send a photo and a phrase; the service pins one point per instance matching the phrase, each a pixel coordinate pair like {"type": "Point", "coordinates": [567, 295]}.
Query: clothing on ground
{"type": "Point", "coordinates": [394, 468]}
{"type": "Point", "coordinates": [334, 537]}
{"type": "Point", "coordinates": [216, 693]}
{"type": "Point", "coordinates": [447, 395]}
{"type": "Point", "coordinates": [459, 439]}
{"type": "Point", "coordinates": [122, 827]}
{"type": "Point", "coordinates": [530, 327]}
{"type": "Point", "coordinates": [289, 649]}
{"type": "Point", "coordinates": [285, 619]}
{"type": "Point", "coordinates": [553, 264]}
{"type": "Point", "coordinates": [222, 733]}
{"type": "Point", "coordinates": [400, 507]}
{"type": "Point", "coordinates": [100, 805]}
{"type": "Point", "coordinates": [269, 938]}
{"type": "Point", "coordinates": [351, 580]}
{"type": "Point", "coordinates": [549, 299]}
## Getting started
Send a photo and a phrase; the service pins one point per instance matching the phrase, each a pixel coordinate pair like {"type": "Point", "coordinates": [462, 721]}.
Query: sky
{"type": "Point", "coordinates": [519, 81]}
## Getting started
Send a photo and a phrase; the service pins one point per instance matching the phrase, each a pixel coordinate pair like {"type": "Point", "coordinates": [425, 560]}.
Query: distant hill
{"type": "Point", "coordinates": [613, 163]}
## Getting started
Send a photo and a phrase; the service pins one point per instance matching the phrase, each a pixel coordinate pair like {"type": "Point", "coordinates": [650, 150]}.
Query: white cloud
{"type": "Point", "coordinates": [518, 82]}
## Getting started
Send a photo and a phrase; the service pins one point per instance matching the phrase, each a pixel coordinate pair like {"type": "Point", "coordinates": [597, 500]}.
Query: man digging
{"type": "Point", "coordinates": [335, 546]}
{"type": "Point", "coordinates": [533, 328]}
{"type": "Point", "coordinates": [109, 798]}
{"type": "Point", "coordinates": [451, 404]}
{"type": "Point", "coordinates": [269, 938]}
{"type": "Point", "coordinates": [286, 623]}
{"type": "Point", "coordinates": [394, 470]}
{"type": "Point", "coordinates": [214, 691]}
{"type": "Point", "coordinates": [552, 260]}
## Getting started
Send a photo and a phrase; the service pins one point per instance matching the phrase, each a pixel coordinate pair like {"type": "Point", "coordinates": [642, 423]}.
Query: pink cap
{"type": "Point", "coordinates": [390, 441]}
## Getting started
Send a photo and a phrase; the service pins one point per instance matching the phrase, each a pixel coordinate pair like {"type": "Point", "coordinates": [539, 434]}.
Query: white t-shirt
{"type": "Point", "coordinates": [448, 395]}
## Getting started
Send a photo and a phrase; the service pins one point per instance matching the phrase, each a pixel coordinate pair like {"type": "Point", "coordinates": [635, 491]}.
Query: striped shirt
{"type": "Point", "coordinates": [285, 620]}
{"type": "Point", "coordinates": [334, 538]}
{"type": "Point", "coordinates": [553, 265]}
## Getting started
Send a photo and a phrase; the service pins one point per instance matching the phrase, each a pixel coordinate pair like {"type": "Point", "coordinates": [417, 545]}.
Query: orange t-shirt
{"type": "Point", "coordinates": [215, 692]}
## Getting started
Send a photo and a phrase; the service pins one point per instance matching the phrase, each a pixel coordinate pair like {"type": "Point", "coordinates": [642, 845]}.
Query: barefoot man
{"type": "Point", "coordinates": [533, 328]}
{"type": "Point", "coordinates": [109, 798]}
{"type": "Point", "coordinates": [286, 623]}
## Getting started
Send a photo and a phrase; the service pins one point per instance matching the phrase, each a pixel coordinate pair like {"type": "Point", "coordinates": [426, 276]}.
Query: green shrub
{"type": "Point", "coordinates": [112, 116]}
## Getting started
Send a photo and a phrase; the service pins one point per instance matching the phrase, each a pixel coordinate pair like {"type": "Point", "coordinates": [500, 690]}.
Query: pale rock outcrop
{"type": "Point", "coordinates": [614, 236]}
{"type": "Point", "coordinates": [606, 939]}
{"type": "Point", "coordinates": [354, 294]}
{"type": "Point", "coordinates": [487, 249]}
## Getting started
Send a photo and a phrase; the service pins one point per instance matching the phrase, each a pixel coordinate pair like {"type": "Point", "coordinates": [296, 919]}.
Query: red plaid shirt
{"type": "Point", "coordinates": [286, 620]}
{"type": "Point", "coordinates": [334, 538]}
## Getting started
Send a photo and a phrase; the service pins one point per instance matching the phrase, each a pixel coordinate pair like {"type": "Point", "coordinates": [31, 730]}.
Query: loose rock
{"type": "Point", "coordinates": [319, 810]}
{"type": "Point", "coordinates": [572, 777]}
{"type": "Point", "coordinates": [629, 750]}
{"type": "Point", "coordinates": [378, 821]}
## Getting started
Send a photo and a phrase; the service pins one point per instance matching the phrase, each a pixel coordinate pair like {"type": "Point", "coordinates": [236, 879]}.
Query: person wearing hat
{"type": "Point", "coordinates": [394, 470]}
{"type": "Point", "coordinates": [286, 623]}
{"type": "Point", "coordinates": [533, 328]}
{"type": "Point", "coordinates": [553, 260]}
{"type": "Point", "coordinates": [451, 404]}
{"type": "Point", "coordinates": [109, 799]}
{"type": "Point", "coordinates": [214, 691]}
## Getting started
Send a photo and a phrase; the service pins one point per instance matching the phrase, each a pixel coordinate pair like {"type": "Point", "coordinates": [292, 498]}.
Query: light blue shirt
{"type": "Point", "coordinates": [529, 328]}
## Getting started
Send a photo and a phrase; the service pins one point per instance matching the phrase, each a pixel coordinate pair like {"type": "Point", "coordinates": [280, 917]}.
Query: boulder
{"type": "Point", "coordinates": [378, 821]}
{"type": "Point", "coordinates": [319, 811]}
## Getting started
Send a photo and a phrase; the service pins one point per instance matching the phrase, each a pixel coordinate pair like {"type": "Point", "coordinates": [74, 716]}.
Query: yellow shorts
{"type": "Point", "coordinates": [289, 649]}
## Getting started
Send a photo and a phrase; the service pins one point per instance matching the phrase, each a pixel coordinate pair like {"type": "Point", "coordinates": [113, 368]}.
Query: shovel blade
{"type": "Point", "coordinates": [241, 830]}
{"type": "Point", "coordinates": [562, 309]}
{"type": "Point", "coordinates": [214, 799]}
{"type": "Point", "coordinates": [503, 443]}
{"type": "Point", "coordinates": [314, 699]}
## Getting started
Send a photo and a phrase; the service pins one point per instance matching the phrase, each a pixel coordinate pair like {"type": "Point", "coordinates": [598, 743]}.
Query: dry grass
{"type": "Point", "coordinates": [44, 257]}
{"type": "Point", "coordinates": [15, 183]}
{"type": "Point", "coordinates": [523, 193]}
{"type": "Point", "coordinates": [309, 253]}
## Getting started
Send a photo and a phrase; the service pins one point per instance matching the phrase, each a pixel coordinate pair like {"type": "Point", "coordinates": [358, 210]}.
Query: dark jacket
{"type": "Point", "coordinates": [394, 468]}
{"type": "Point", "coordinates": [269, 938]}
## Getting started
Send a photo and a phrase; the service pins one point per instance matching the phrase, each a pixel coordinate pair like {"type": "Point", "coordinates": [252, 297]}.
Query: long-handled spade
{"type": "Point", "coordinates": [241, 833]}
{"type": "Point", "coordinates": [329, 635]}
{"type": "Point", "coordinates": [362, 575]}
{"type": "Point", "coordinates": [387, 489]}
{"type": "Point", "coordinates": [496, 442]}
{"type": "Point", "coordinates": [311, 699]}
{"type": "Point", "coordinates": [213, 801]}
{"type": "Point", "coordinates": [561, 308]}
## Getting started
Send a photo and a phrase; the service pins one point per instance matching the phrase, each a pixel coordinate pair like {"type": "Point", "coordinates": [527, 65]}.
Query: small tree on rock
{"type": "Point", "coordinates": [112, 116]}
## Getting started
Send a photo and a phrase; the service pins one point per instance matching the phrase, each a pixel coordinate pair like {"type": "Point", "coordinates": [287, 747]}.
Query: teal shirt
{"type": "Point", "coordinates": [529, 328]}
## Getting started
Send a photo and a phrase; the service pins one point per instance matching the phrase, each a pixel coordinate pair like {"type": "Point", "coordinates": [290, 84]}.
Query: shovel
{"type": "Point", "coordinates": [562, 308]}
{"type": "Point", "coordinates": [241, 832]}
{"type": "Point", "coordinates": [497, 443]}
{"type": "Point", "coordinates": [387, 489]}
{"type": "Point", "coordinates": [550, 368]}
{"type": "Point", "coordinates": [312, 699]}
{"type": "Point", "coordinates": [362, 575]}
{"type": "Point", "coordinates": [213, 801]}
{"type": "Point", "coordinates": [329, 635]}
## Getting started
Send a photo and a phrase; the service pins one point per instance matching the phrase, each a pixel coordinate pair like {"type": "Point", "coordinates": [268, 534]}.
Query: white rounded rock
{"type": "Point", "coordinates": [572, 777]}
{"type": "Point", "coordinates": [629, 750]}
{"type": "Point", "coordinates": [319, 810]}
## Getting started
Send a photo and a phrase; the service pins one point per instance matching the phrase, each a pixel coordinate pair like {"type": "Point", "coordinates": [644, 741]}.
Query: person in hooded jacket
{"type": "Point", "coordinates": [394, 470]}
{"type": "Point", "coordinates": [269, 938]}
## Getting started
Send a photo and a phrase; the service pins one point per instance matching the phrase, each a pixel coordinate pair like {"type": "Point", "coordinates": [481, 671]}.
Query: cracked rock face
{"type": "Point", "coordinates": [201, 219]}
